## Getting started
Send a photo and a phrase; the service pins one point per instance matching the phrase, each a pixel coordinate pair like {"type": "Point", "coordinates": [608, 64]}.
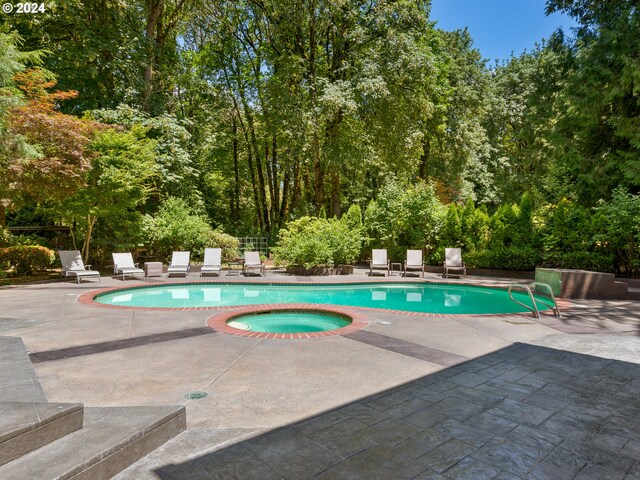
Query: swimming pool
{"type": "Point", "coordinates": [410, 297]}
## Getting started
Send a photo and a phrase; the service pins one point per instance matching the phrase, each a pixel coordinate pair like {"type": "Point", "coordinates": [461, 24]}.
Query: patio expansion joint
{"type": "Point", "coordinates": [232, 364]}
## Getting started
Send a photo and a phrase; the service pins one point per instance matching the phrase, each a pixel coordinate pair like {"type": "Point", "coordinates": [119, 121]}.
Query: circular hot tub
{"type": "Point", "coordinates": [289, 321]}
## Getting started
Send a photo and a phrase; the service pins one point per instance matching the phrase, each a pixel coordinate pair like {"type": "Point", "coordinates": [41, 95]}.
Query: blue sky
{"type": "Point", "coordinates": [499, 27]}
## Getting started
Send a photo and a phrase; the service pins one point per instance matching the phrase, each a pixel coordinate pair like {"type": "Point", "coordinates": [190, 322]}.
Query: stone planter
{"type": "Point", "coordinates": [302, 271]}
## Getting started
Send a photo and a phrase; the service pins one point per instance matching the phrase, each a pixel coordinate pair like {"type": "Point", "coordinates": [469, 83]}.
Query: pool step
{"type": "Point", "coordinates": [111, 439]}
{"type": "Point", "coordinates": [26, 426]}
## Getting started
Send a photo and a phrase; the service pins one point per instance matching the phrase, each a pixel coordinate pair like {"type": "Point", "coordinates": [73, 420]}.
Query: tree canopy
{"type": "Point", "coordinates": [259, 112]}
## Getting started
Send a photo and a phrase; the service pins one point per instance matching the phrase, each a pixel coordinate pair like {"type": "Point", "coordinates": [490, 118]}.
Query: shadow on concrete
{"type": "Point", "coordinates": [521, 412]}
{"type": "Point", "coordinates": [597, 316]}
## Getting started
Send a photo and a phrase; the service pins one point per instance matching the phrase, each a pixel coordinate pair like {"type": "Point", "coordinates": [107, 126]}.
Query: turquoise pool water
{"type": "Point", "coordinates": [431, 298]}
{"type": "Point", "coordinates": [288, 322]}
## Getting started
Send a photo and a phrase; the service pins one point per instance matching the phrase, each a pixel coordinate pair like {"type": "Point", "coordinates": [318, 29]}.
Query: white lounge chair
{"type": "Point", "coordinates": [453, 262]}
{"type": "Point", "coordinates": [123, 265]}
{"type": "Point", "coordinates": [378, 260]}
{"type": "Point", "coordinates": [414, 261]}
{"type": "Point", "coordinates": [179, 264]}
{"type": "Point", "coordinates": [252, 262]}
{"type": "Point", "coordinates": [72, 264]}
{"type": "Point", "coordinates": [212, 261]}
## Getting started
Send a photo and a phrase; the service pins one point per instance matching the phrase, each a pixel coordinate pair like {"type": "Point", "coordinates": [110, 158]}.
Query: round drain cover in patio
{"type": "Point", "coordinates": [195, 395]}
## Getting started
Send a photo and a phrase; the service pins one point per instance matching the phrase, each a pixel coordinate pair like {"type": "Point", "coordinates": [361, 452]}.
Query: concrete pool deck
{"type": "Point", "coordinates": [421, 397]}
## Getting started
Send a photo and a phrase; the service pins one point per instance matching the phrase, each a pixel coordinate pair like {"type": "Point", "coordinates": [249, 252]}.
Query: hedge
{"type": "Point", "coordinates": [27, 259]}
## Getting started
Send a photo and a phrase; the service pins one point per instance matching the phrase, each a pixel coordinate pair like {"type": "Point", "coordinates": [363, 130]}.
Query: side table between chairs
{"type": "Point", "coordinates": [153, 269]}
{"type": "Point", "coordinates": [238, 264]}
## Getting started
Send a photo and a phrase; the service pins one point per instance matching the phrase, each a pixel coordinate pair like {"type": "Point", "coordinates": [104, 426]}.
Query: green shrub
{"type": "Point", "coordinates": [451, 233]}
{"type": "Point", "coordinates": [176, 227]}
{"type": "Point", "coordinates": [508, 258]}
{"type": "Point", "coordinates": [597, 262]}
{"type": "Point", "coordinates": [617, 227]}
{"type": "Point", "coordinates": [475, 227]}
{"type": "Point", "coordinates": [6, 238]}
{"type": "Point", "coordinates": [404, 216]}
{"type": "Point", "coordinates": [567, 227]}
{"type": "Point", "coordinates": [229, 245]}
{"type": "Point", "coordinates": [318, 242]}
{"type": "Point", "coordinates": [27, 259]}
{"type": "Point", "coordinates": [512, 225]}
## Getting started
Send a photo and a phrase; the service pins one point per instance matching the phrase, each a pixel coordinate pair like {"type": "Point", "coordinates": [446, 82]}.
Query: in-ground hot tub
{"type": "Point", "coordinates": [289, 321]}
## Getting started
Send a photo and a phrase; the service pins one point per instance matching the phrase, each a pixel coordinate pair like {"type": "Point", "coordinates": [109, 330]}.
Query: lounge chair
{"type": "Point", "coordinates": [453, 262]}
{"type": "Point", "coordinates": [123, 265]}
{"type": "Point", "coordinates": [212, 261]}
{"type": "Point", "coordinates": [179, 264]}
{"type": "Point", "coordinates": [252, 262]}
{"type": "Point", "coordinates": [378, 260]}
{"type": "Point", "coordinates": [414, 261]}
{"type": "Point", "coordinates": [72, 264]}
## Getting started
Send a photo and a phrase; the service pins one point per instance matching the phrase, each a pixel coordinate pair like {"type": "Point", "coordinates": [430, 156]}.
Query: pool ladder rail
{"type": "Point", "coordinates": [535, 286]}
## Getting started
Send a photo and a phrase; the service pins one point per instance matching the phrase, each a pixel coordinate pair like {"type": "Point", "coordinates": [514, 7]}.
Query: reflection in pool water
{"type": "Point", "coordinates": [412, 297]}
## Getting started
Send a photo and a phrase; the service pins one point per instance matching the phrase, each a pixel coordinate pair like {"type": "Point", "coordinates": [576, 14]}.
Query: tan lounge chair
{"type": "Point", "coordinates": [252, 262]}
{"type": "Point", "coordinates": [414, 261]}
{"type": "Point", "coordinates": [453, 262]}
{"type": "Point", "coordinates": [212, 261]}
{"type": "Point", "coordinates": [123, 265]}
{"type": "Point", "coordinates": [72, 264]}
{"type": "Point", "coordinates": [378, 260]}
{"type": "Point", "coordinates": [179, 264]}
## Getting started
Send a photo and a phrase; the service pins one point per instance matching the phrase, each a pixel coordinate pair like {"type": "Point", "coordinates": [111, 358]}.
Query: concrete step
{"type": "Point", "coordinates": [26, 426]}
{"type": "Point", "coordinates": [18, 379]}
{"type": "Point", "coordinates": [111, 439]}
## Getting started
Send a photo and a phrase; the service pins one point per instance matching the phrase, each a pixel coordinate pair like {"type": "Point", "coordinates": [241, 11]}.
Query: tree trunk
{"type": "Point", "coordinates": [275, 190]}
{"type": "Point", "coordinates": [318, 171]}
{"type": "Point", "coordinates": [263, 192]}
{"type": "Point", "coordinates": [154, 14]}
{"type": "Point", "coordinates": [423, 169]}
{"type": "Point", "coordinates": [297, 193]}
{"type": "Point", "coordinates": [267, 165]}
{"type": "Point", "coordinates": [335, 192]}
{"type": "Point", "coordinates": [235, 202]}
{"type": "Point", "coordinates": [284, 207]}
{"type": "Point", "coordinates": [91, 221]}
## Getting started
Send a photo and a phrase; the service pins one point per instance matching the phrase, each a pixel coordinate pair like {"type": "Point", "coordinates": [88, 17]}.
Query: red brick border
{"type": "Point", "coordinates": [218, 322]}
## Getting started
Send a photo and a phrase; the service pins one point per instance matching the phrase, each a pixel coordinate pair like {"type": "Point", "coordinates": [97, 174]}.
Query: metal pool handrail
{"type": "Point", "coordinates": [526, 288]}
{"type": "Point", "coordinates": [534, 309]}
{"type": "Point", "coordinates": [545, 286]}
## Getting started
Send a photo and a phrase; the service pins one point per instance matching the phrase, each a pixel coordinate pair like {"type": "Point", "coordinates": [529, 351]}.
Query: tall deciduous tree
{"type": "Point", "coordinates": [61, 140]}
{"type": "Point", "coordinates": [117, 181]}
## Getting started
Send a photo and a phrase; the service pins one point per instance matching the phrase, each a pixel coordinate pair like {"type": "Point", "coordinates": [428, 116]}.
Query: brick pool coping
{"type": "Point", "coordinates": [218, 322]}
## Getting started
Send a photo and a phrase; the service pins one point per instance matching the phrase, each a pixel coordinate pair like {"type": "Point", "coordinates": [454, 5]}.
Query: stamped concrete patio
{"type": "Point", "coordinates": [407, 397]}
